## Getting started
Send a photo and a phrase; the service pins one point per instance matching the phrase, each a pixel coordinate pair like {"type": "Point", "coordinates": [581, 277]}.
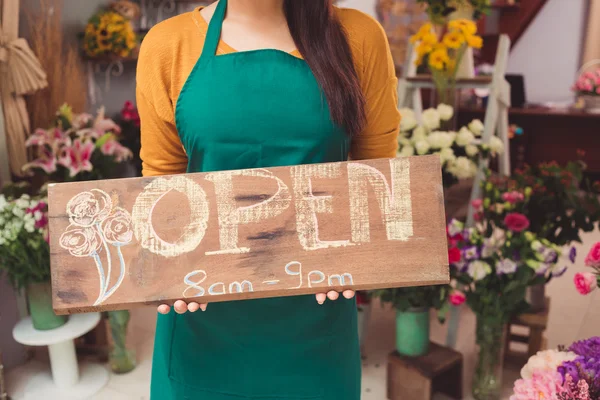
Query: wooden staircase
{"type": "Point", "coordinates": [511, 17]}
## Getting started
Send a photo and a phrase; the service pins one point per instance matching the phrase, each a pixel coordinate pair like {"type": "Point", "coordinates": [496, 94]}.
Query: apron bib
{"type": "Point", "coordinates": [256, 109]}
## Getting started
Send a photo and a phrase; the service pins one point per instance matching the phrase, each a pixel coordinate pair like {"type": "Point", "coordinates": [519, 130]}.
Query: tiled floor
{"type": "Point", "coordinates": [572, 317]}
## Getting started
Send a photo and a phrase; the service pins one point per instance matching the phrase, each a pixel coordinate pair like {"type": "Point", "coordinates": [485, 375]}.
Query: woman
{"type": "Point", "coordinates": [306, 83]}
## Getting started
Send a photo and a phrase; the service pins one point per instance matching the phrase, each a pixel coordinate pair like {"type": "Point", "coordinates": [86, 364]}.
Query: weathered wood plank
{"type": "Point", "coordinates": [257, 233]}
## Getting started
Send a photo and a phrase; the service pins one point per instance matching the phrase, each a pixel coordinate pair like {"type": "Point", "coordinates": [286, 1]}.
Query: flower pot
{"type": "Point", "coordinates": [412, 332]}
{"type": "Point", "coordinates": [490, 337]}
{"type": "Point", "coordinates": [364, 312]}
{"type": "Point", "coordinates": [39, 297]}
{"type": "Point", "coordinates": [536, 297]}
{"type": "Point", "coordinates": [592, 103]}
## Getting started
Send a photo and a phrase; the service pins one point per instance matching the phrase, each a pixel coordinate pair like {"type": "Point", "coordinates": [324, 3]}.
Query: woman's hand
{"type": "Point", "coordinates": [333, 295]}
{"type": "Point", "coordinates": [181, 307]}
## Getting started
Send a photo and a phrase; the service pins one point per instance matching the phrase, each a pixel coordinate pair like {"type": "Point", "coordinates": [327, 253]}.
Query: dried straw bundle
{"type": "Point", "coordinates": [60, 59]}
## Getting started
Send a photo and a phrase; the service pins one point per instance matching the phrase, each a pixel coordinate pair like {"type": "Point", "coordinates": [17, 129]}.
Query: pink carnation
{"type": "Point", "coordinates": [516, 222]}
{"type": "Point", "coordinates": [593, 257]}
{"type": "Point", "coordinates": [543, 385]}
{"type": "Point", "coordinates": [513, 197]}
{"type": "Point", "coordinates": [585, 282]}
{"type": "Point", "coordinates": [457, 298]}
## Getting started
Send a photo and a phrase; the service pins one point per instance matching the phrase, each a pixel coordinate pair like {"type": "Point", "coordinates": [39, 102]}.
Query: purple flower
{"type": "Point", "coordinates": [550, 256]}
{"type": "Point", "coordinates": [589, 348]}
{"type": "Point", "coordinates": [557, 273]}
{"type": "Point", "coordinates": [470, 253]}
{"type": "Point", "coordinates": [461, 266]}
{"type": "Point", "coordinates": [506, 266]}
{"type": "Point", "coordinates": [571, 367]}
{"type": "Point", "coordinates": [572, 254]}
{"type": "Point", "coordinates": [542, 269]}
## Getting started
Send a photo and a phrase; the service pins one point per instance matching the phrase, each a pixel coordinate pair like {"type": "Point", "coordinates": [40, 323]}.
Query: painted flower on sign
{"type": "Point", "coordinates": [89, 208]}
{"type": "Point", "coordinates": [81, 241]}
{"type": "Point", "coordinates": [118, 227]}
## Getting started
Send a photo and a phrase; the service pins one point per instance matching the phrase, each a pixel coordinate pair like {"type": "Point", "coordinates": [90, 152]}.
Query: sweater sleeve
{"type": "Point", "coordinates": [162, 152]}
{"type": "Point", "coordinates": [377, 74]}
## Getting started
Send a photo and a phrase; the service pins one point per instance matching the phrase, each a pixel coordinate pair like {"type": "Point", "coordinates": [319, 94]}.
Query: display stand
{"type": "Point", "coordinates": [65, 381]}
{"type": "Point", "coordinates": [536, 323]}
{"type": "Point", "coordinates": [419, 378]}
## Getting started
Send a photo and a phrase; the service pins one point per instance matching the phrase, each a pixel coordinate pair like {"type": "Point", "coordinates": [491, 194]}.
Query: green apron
{"type": "Point", "coordinates": [255, 109]}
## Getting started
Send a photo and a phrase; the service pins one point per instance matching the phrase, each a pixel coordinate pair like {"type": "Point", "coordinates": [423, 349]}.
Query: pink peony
{"type": "Point", "coordinates": [513, 197]}
{"type": "Point", "coordinates": [457, 298]}
{"type": "Point", "coordinates": [593, 257]}
{"type": "Point", "coordinates": [585, 282]}
{"type": "Point", "coordinates": [543, 385]}
{"type": "Point", "coordinates": [516, 222]}
{"type": "Point", "coordinates": [477, 203]}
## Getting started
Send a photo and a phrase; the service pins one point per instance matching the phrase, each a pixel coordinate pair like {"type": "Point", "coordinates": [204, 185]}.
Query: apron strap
{"type": "Point", "coordinates": [213, 36]}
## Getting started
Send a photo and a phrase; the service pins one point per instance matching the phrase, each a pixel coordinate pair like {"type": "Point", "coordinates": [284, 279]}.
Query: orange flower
{"type": "Point", "coordinates": [454, 39]}
{"type": "Point", "coordinates": [475, 41]}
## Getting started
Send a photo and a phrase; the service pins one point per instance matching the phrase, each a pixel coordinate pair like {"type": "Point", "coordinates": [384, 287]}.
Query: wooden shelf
{"type": "Point", "coordinates": [110, 59]}
{"type": "Point", "coordinates": [476, 80]}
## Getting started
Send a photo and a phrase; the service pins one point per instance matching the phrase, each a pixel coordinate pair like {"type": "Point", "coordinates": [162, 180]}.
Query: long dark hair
{"type": "Point", "coordinates": [323, 43]}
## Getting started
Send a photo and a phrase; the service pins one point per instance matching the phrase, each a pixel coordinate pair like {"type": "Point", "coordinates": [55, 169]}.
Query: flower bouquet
{"type": "Point", "coordinates": [563, 374]}
{"type": "Point", "coordinates": [25, 254]}
{"type": "Point", "coordinates": [109, 33]}
{"type": "Point", "coordinates": [443, 54]}
{"type": "Point", "coordinates": [78, 147]}
{"type": "Point", "coordinates": [586, 282]}
{"type": "Point", "coordinates": [459, 152]}
{"type": "Point", "coordinates": [588, 87]}
{"type": "Point", "coordinates": [495, 263]}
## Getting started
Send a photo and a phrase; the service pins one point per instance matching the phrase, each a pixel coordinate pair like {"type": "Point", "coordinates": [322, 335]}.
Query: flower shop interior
{"type": "Point", "coordinates": [505, 92]}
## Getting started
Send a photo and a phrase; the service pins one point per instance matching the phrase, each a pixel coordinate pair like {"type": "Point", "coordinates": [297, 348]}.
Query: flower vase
{"type": "Point", "coordinates": [592, 103]}
{"type": "Point", "coordinates": [536, 297]}
{"type": "Point", "coordinates": [466, 68]}
{"type": "Point", "coordinates": [39, 297]}
{"type": "Point", "coordinates": [490, 337]}
{"type": "Point", "coordinates": [412, 332]}
{"type": "Point", "coordinates": [121, 359]}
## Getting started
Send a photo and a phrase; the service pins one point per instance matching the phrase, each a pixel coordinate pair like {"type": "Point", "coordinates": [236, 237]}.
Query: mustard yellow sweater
{"type": "Point", "coordinates": [171, 49]}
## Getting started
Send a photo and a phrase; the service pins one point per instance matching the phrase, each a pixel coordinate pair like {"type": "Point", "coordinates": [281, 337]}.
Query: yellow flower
{"type": "Point", "coordinates": [429, 38]}
{"type": "Point", "coordinates": [424, 30]}
{"type": "Point", "coordinates": [454, 39]}
{"type": "Point", "coordinates": [439, 58]}
{"type": "Point", "coordinates": [475, 42]}
{"type": "Point", "coordinates": [467, 27]}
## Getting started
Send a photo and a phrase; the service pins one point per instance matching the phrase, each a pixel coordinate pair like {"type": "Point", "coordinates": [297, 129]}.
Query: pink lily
{"type": "Point", "coordinates": [54, 138]}
{"type": "Point", "coordinates": [117, 150]}
{"type": "Point", "coordinates": [82, 121]}
{"type": "Point", "coordinates": [77, 157]}
{"type": "Point", "coordinates": [46, 161]}
{"type": "Point", "coordinates": [103, 124]}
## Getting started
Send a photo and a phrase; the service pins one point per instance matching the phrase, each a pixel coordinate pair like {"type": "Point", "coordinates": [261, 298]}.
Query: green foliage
{"type": "Point", "coordinates": [439, 10]}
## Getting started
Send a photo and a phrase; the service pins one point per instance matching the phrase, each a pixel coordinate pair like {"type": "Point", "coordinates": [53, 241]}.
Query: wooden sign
{"type": "Point", "coordinates": [245, 234]}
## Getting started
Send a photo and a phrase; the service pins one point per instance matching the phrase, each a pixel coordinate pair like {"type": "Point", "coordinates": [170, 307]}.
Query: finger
{"type": "Point", "coordinates": [180, 307]}
{"type": "Point", "coordinates": [333, 295]}
{"type": "Point", "coordinates": [163, 309]}
{"type": "Point", "coordinates": [348, 294]}
{"type": "Point", "coordinates": [321, 297]}
{"type": "Point", "coordinates": [203, 306]}
{"type": "Point", "coordinates": [193, 306]}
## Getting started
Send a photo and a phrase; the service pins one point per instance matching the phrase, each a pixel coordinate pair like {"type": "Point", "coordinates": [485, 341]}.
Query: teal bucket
{"type": "Point", "coordinates": [412, 332]}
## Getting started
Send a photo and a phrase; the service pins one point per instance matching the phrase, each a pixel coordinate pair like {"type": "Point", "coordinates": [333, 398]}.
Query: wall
{"type": "Point", "coordinates": [548, 54]}
{"type": "Point", "coordinates": [366, 6]}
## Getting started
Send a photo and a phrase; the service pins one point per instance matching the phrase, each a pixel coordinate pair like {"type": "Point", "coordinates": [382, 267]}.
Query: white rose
{"type": "Point", "coordinates": [431, 118]}
{"type": "Point", "coordinates": [406, 151]}
{"type": "Point", "coordinates": [479, 270]}
{"type": "Point", "coordinates": [419, 134]}
{"type": "Point", "coordinates": [463, 168]}
{"type": "Point", "coordinates": [422, 147]}
{"type": "Point", "coordinates": [407, 113]}
{"type": "Point", "coordinates": [447, 155]}
{"type": "Point", "coordinates": [407, 123]}
{"type": "Point", "coordinates": [548, 360]}
{"type": "Point", "coordinates": [440, 140]}
{"type": "Point", "coordinates": [464, 137]}
{"type": "Point", "coordinates": [496, 145]}
{"type": "Point", "coordinates": [446, 112]}
{"type": "Point", "coordinates": [471, 150]}
{"type": "Point", "coordinates": [476, 126]}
